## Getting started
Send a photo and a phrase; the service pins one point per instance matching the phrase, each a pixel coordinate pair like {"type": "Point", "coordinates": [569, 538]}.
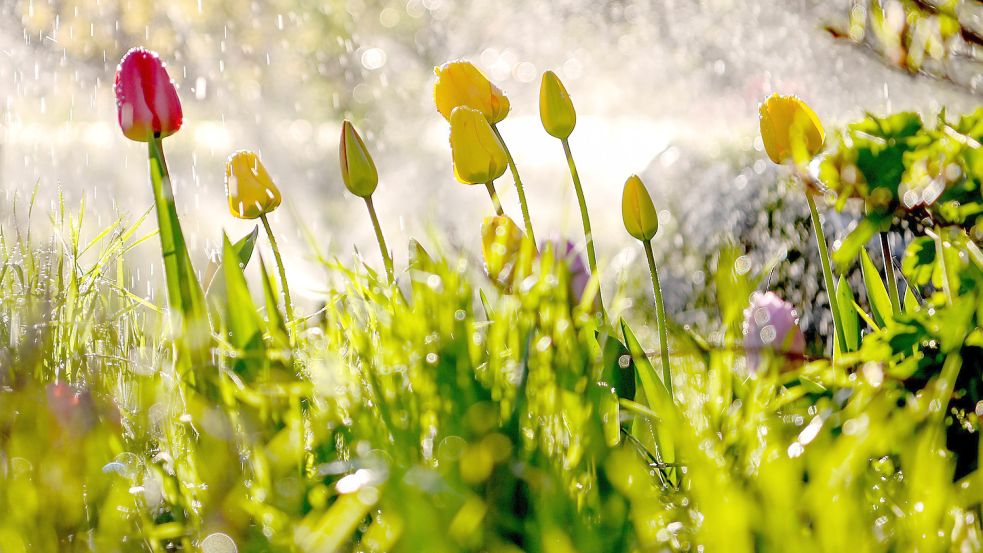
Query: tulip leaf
{"type": "Point", "coordinates": [244, 246]}
{"type": "Point", "coordinates": [848, 317]}
{"type": "Point", "coordinates": [655, 395]}
{"type": "Point", "coordinates": [242, 321]}
{"type": "Point", "coordinates": [184, 293]}
{"type": "Point", "coordinates": [877, 296]}
{"type": "Point", "coordinates": [911, 303]}
{"type": "Point", "coordinates": [276, 324]}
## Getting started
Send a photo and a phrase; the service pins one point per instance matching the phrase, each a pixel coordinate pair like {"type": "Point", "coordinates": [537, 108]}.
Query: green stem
{"type": "Point", "coordinates": [288, 305]}
{"type": "Point", "coordinates": [380, 238]}
{"type": "Point", "coordinates": [490, 186]}
{"type": "Point", "coordinates": [827, 272]}
{"type": "Point", "coordinates": [518, 186]}
{"type": "Point", "coordinates": [660, 311]}
{"type": "Point", "coordinates": [892, 281]}
{"type": "Point", "coordinates": [588, 235]}
{"type": "Point", "coordinates": [184, 294]}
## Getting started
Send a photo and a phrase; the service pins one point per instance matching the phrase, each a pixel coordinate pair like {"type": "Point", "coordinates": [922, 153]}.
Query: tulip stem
{"type": "Point", "coordinates": [892, 281]}
{"type": "Point", "coordinates": [518, 186]}
{"type": "Point", "coordinates": [588, 235]}
{"type": "Point", "coordinates": [827, 272]}
{"type": "Point", "coordinates": [490, 185]}
{"type": "Point", "coordinates": [380, 238]}
{"type": "Point", "coordinates": [660, 312]}
{"type": "Point", "coordinates": [288, 305]}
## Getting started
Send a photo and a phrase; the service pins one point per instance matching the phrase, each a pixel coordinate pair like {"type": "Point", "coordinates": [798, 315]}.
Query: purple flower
{"type": "Point", "coordinates": [579, 273]}
{"type": "Point", "coordinates": [771, 323]}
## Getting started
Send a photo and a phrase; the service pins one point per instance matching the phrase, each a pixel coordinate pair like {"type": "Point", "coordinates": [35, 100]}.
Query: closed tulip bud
{"type": "Point", "coordinates": [460, 83]}
{"type": "Point", "coordinates": [250, 189]}
{"type": "Point", "coordinates": [478, 154]}
{"type": "Point", "coordinates": [357, 168]}
{"type": "Point", "coordinates": [637, 210]}
{"type": "Point", "coordinates": [790, 129]}
{"type": "Point", "coordinates": [508, 253]}
{"type": "Point", "coordinates": [147, 103]}
{"type": "Point", "coordinates": [771, 325]}
{"type": "Point", "coordinates": [555, 108]}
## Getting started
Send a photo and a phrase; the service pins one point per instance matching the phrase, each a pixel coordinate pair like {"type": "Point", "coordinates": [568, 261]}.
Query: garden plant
{"type": "Point", "coordinates": [502, 406]}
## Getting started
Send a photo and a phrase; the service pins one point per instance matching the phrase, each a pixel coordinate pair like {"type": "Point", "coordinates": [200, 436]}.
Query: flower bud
{"type": "Point", "coordinates": [147, 103]}
{"type": "Point", "coordinates": [508, 253]}
{"type": "Point", "coordinates": [637, 210]}
{"type": "Point", "coordinates": [478, 154]}
{"type": "Point", "coordinates": [460, 83]}
{"type": "Point", "coordinates": [771, 325]}
{"type": "Point", "coordinates": [555, 108]}
{"type": "Point", "coordinates": [248, 186]}
{"type": "Point", "coordinates": [790, 129]}
{"type": "Point", "coordinates": [357, 168]}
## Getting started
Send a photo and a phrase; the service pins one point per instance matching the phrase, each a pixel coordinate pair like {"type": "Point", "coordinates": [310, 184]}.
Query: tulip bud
{"type": "Point", "coordinates": [507, 252]}
{"type": "Point", "coordinates": [357, 168]}
{"type": "Point", "coordinates": [250, 189]}
{"type": "Point", "coordinates": [555, 108]}
{"type": "Point", "coordinates": [146, 101]}
{"type": "Point", "coordinates": [790, 129]}
{"type": "Point", "coordinates": [460, 83]}
{"type": "Point", "coordinates": [771, 324]}
{"type": "Point", "coordinates": [478, 154]}
{"type": "Point", "coordinates": [637, 210]}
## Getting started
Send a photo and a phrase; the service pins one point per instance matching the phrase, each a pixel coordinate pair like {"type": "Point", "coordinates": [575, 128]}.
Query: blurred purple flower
{"type": "Point", "coordinates": [771, 323]}
{"type": "Point", "coordinates": [579, 273]}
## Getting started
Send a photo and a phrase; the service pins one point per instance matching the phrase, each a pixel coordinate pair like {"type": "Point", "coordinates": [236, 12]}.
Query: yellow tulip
{"type": "Point", "coordinates": [790, 129]}
{"type": "Point", "coordinates": [357, 168]}
{"type": "Point", "coordinates": [250, 189]}
{"type": "Point", "coordinates": [460, 83]}
{"type": "Point", "coordinates": [637, 210]}
{"type": "Point", "coordinates": [479, 156]}
{"type": "Point", "coordinates": [508, 253]}
{"type": "Point", "coordinates": [555, 108]}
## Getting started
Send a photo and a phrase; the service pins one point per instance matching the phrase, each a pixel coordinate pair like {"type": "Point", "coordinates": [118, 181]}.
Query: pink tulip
{"type": "Point", "coordinates": [146, 99]}
{"type": "Point", "coordinates": [771, 324]}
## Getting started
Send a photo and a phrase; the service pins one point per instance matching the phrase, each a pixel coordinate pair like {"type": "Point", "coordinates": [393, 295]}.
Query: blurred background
{"type": "Point", "coordinates": [666, 89]}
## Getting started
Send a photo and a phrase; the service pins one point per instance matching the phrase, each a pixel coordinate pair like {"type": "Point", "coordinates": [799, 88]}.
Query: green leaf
{"type": "Point", "coordinates": [910, 301]}
{"type": "Point", "coordinates": [245, 245]}
{"type": "Point", "coordinates": [245, 331]}
{"type": "Point", "coordinates": [918, 263]}
{"type": "Point", "coordinates": [877, 296]}
{"type": "Point", "coordinates": [184, 294]}
{"type": "Point", "coordinates": [849, 317]}
{"type": "Point", "coordinates": [654, 395]}
{"type": "Point", "coordinates": [276, 324]}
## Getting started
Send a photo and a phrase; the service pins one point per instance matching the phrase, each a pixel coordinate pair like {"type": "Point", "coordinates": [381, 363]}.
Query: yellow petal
{"type": "Point", "coordinates": [249, 188]}
{"type": "Point", "coordinates": [460, 83]}
{"type": "Point", "coordinates": [555, 107]}
{"type": "Point", "coordinates": [637, 210]}
{"type": "Point", "coordinates": [508, 253]}
{"type": "Point", "coordinates": [478, 154]}
{"type": "Point", "coordinates": [357, 168]}
{"type": "Point", "coordinates": [790, 130]}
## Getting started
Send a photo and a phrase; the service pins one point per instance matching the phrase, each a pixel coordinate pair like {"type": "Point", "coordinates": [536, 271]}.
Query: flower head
{"type": "Point", "coordinates": [637, 210]}
{"type": "Point", "coordinates": [460, 83]}
{"type": "Point", "coordinates": [508, 253]}
{"type": "Point", "coordinates": [790, 129]}
{"type": "Point", "coordinates": [555, 108]}
{"type": "Point", "coordinates": [357, 168]}
{"type": "Point", "coordinates": [478, 154]}
{"type": "Point", "coordinates": [248, 186]}
{"type": "Point", "coordinates": [147, 103]}
{"type": "Point", "coordinates": [567, 251]}
{"type": "Point", "coordinates": [771, 324]}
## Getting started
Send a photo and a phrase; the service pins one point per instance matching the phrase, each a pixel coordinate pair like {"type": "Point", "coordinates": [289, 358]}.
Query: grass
{"type": "Point", "coordinates": [439, 415]}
